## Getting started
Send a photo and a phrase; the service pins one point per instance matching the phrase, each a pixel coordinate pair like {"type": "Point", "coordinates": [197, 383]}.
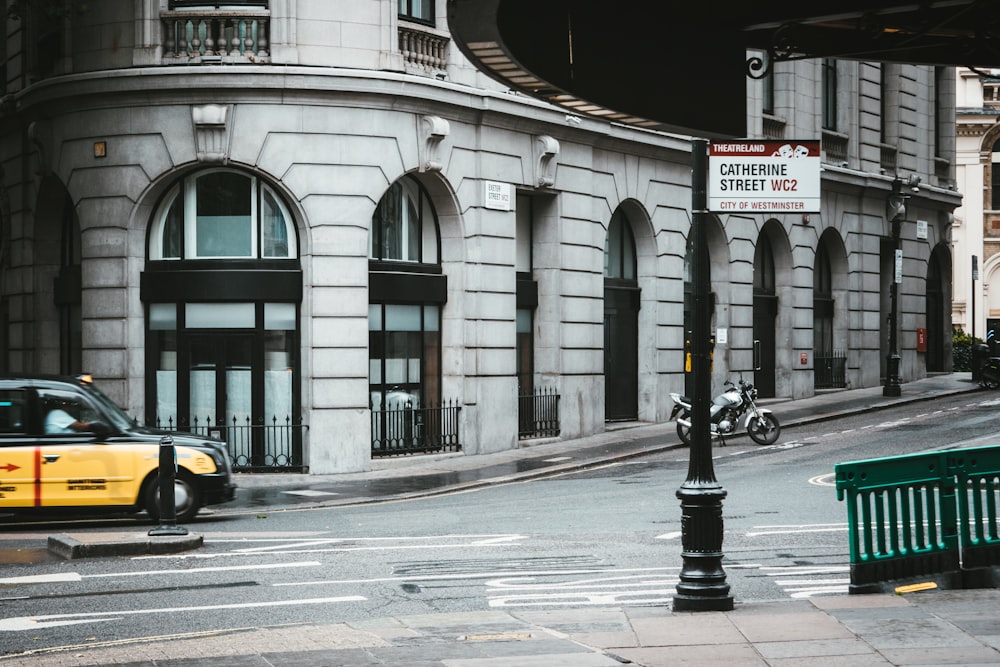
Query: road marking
{"type": "Point", "coordinates": [826, 479]}
{"type": "Point", "coordinates": [669, 536]}
{"type": "Point", "coordinates": [350, 544]}
{"type": "Point", "coordinates": [796, 530]}
{"type": "Point", "coordinates": [22, 623]}
{"type": "Point", "coordinates": [310, 493]}
{"type": "Point", "coordinates": [558, 459]}
{"type": "Point", "coordinates": [41, 579]}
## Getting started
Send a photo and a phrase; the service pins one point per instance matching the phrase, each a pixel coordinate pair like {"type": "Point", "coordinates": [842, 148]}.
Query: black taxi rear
{"type": "Point", "coordinates": [67, 448]}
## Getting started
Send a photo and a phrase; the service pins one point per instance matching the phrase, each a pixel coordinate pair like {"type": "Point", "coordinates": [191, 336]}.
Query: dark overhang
{"type": "Point", "coordinates": [682, 67]}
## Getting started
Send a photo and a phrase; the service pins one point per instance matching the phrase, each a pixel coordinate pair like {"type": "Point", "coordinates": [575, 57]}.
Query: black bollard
{"type": "Point", "coordinates": [167, 475]}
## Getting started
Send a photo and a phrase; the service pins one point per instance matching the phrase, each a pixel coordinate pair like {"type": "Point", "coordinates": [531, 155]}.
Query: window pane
{"type": "Point", "coordinates": [13, 407]}
{"type": "Point", "coordinates": [220, 316]}
{"type": "Point", "coordinates": [273, 229]}
{"type": "Point", "coordinates": [162, 316]}
{"type": "Point", "coordinates": [279, 316]}
{"type": "Point", "coordinates": [172, 225]}
{"type": "Point", "coordinates": [224, 227]}
{"type": "Point", "coordinates": [166, 380]}
{"type": "Point", "coordinates": [402, 318]}
{"type": "Point", "coordinates": [404, 226]}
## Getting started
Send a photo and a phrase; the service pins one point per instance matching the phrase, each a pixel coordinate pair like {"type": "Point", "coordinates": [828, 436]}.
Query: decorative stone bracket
{"type": "Point", "coordinates": [546, 150]}
{"type": "Point", "coordinates": [432, 130]}
{"type": "Point", "coordinates": [211, 132]}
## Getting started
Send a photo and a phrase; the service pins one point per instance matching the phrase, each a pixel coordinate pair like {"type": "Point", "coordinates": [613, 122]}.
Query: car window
{"type": "Point", "coordinates": [118, 417]}
{"type": "Point", "coordinates": [13, 404]}
{"type": "Point", "coordinates": [65, 412]}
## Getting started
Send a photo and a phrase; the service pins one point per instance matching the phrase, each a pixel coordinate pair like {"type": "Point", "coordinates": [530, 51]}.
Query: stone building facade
{"type": "Point", "coordinates": [976, 307]}
{"type": "Point", "coordinates": [270, 213]}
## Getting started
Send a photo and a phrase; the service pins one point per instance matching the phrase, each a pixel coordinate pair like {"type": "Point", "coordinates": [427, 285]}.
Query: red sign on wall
{"type": "Point", "coordinates": [921, 339]}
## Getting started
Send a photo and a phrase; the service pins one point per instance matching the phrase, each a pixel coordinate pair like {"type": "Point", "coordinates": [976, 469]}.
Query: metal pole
{"type": "Point", "coordinates": [892, 381]}
{"type": "Point", "coordinates": [702, 585]}
{"type": "Point", "coordinates": [167, 474]}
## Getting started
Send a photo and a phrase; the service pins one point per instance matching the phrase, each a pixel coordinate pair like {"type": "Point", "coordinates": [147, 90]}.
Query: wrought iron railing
{"type": "Point", "coordinates": [830, 371]}
{"type": "Point", "coordinates": [216, 36]}
{"type": "Point", "coordinates": [404, 429]}
{"type": "Point", "coordinates": [271, 447]}
{"type": "Point", "coordinates": [538, 414]}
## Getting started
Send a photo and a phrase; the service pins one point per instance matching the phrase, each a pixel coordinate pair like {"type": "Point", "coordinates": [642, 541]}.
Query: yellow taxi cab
{"type": "Point", "coordinates": [66, 447]}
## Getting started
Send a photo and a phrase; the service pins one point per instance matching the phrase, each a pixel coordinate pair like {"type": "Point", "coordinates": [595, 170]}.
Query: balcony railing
{"type": "Point", "coordinates": [835, 147]}
{"type": "Point", "coordinates": [423, 49]}
{"type": "Point", "coordinates": [216, 36]}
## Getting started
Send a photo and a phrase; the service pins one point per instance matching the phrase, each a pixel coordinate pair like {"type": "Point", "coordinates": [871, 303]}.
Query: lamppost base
{"type": "Point", "coordinates": [892, 390]}
{"type": "Point", "coordinates": [703, 603]}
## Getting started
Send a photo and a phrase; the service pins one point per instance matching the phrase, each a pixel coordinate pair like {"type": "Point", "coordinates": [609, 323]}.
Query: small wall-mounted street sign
{"type": "Point", "coordinates": [750, 176]}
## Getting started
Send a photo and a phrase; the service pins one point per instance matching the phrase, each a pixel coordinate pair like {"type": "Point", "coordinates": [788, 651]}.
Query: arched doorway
{"type": "Point", "coordinates": [772, 283]}
{"type": "Point", "coordinates": [222, 289]}
{"type": "Point", "coordinates": [938, 310]}
{"type": "Point", "coordinates": [829, 303]}
{"type": "Point", "coordinates": [765, 313]}
{"type": "Point", "coordinates": [621, 321]}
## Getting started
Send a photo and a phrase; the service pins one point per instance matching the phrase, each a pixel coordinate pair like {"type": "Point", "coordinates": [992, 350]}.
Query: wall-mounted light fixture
{"type": "Point", "coordinates": [100, 149]}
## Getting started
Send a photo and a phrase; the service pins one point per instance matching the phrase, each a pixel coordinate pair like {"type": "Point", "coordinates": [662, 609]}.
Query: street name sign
{"type": "Point", "coordinates": [751, 176]}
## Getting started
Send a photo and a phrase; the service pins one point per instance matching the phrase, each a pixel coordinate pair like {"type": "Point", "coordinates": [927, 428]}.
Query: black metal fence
{"type": "Point", "coordinates": [404, 429]}
{"type": "Point", "coordinates": [538, 414]}
{"type": "Point", "coordinates": [274, 447]}
{"type": "Point", "coordinates": [831, 372]}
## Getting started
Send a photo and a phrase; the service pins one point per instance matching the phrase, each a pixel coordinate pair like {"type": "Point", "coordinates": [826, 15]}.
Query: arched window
{"type": "Point", "coordinates": [404, 227]}
{"type": "Point", "coordinates": [222, 214]}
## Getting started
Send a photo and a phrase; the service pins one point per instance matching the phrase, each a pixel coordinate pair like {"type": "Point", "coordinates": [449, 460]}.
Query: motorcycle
{"type": "Point", "coordinates": [989, 374]}
{"type": "Point", "coordinates": [736, 403]}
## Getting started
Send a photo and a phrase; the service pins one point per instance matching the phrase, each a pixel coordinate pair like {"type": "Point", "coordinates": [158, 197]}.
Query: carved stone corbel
{"type": "Point", "coordinates": [211, 132]}
{"type": "Point", "coordinates": [546, 150]}
{"type": "Point", "coordinates": [432, 130]}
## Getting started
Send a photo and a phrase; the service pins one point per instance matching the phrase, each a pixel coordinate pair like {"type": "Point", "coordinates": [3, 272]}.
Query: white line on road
{"type": "Point", "coordinates": [459, 576]}
{"type": "Point", "coordinates": [21, 623]}
{"type": "Point", "coordinates": [669, 536]}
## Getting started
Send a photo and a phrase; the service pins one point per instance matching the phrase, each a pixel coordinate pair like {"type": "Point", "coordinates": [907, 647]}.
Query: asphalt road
{"type": "Point", "coordinates": [607, 536]}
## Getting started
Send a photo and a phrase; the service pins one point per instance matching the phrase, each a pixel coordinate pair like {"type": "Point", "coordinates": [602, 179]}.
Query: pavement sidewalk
{"type": "Point", "coordinates": [933, 627]}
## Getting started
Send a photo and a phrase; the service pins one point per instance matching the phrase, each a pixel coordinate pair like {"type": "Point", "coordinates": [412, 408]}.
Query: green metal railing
{"type": "Point", "coordinates": [931, 515]}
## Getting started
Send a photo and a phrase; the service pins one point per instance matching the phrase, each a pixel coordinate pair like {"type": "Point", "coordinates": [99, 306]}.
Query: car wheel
{"type": "Point", "coordinates": [187, 498]}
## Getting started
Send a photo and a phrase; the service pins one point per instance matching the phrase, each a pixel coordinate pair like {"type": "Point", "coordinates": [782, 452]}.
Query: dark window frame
{"type": "Point", "coordinates": [829, 94]}
{"type": "Point", "coordinates": [406, 12]}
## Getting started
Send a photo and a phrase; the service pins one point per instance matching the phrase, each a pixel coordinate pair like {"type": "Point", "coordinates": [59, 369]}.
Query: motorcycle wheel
{"type": "Point", "coordinates": [990, 376]}
{"type": "Point", "coordinates": [684, 432]}
{"type": "Point", "coordinates": [764, 430]}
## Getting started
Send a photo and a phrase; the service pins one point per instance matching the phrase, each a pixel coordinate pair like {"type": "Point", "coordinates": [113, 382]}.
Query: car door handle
{"type": "Point", "coordinates": [50, 458]}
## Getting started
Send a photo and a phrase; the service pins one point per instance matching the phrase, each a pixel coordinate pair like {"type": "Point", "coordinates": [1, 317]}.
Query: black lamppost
{"type": "Point", "coordinates": [895, 211]}
{"type": "Point", "coordinates": [702, 585]}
